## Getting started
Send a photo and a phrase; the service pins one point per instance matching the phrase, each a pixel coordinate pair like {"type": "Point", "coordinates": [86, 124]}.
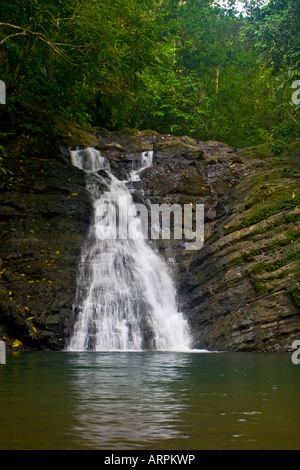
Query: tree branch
{"type": "Point", "coordinates": [40, 36]}
{"type": "Point", "coordinates": [292, 117]}
{"type": "Point", "coordinates": [11, 36]}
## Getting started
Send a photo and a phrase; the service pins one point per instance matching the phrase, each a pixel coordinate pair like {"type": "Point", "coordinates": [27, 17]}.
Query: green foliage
{"type": "Point", "coordinates": [188, 68]}
{"type": "Point", "coordinates": [274, 31]}
{"type": "Point", "coordinates": [294, 256]}
{"type": "Point", "coordinates": [286, 201]}
{"type": "Point", "coordinates": [268, 267]}
{"type": "Point", "coordinates": [291, 218]}
{"type": "Point", "coordinates": [4, 136]}
{"type": "Point", "coordinates": [294, 293]}
{"type": "Point", "coordinates": [259, 285]}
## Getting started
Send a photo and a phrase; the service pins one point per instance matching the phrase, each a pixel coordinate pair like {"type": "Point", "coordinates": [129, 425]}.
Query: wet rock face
{"type": "Point", "coordinates": [242, 289]}
{"type": "Point", "coordinates": [44, 215]}
{"type": "Point", "coordinates": [239, 292]}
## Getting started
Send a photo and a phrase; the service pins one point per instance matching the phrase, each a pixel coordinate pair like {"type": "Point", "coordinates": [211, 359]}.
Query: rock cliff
{"type": "Point", "coordinates": [239, 292]}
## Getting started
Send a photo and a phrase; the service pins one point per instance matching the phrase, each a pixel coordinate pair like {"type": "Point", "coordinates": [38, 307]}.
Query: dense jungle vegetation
{"type": "Point", "coordinates": [184, 67]}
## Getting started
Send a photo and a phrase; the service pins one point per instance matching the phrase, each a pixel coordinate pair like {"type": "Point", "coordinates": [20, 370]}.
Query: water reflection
{"type": "Point", "coordinates": [149, 400]}
{"type": "Point", "coordinates": [125, 398]}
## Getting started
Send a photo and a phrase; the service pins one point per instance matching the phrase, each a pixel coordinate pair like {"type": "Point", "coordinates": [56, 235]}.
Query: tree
{"type": "Point", "coordinates": [186, 67]}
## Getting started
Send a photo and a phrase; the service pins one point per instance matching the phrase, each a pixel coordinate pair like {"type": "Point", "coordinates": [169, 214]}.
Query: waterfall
{"type": "Point", "coordinates": [126, 298]}
{"type": "Point", "coordinates": [88, 159]}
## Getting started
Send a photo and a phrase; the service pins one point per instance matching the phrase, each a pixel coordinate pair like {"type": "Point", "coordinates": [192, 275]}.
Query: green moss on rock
{"type": "Point", "coordinates": [263, 211]}
{"type": "Point", "coordinates": [257, 151]}
{"type": "Point", "coordinates": [294, 293]}
{"type": "Point", "coordinates": [74, 134]}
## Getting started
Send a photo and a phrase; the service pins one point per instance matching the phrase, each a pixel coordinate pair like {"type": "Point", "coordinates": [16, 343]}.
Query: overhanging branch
{"type": "Point", "coordinates": [40, 36]}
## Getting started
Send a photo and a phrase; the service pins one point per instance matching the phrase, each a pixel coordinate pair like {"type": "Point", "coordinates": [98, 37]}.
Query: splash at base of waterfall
{"type": "Point", "coordinates": [126, 298]}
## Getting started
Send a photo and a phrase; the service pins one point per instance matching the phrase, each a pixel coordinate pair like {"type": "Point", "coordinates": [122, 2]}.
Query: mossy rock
{"type": "Point", "coordinates": [257, 151]}
{"type": "Point", "coordinates": [269, 192]}
{"type": "Point", "coordinates": [294, 293]}
{"type": "Point", "coordinates": [260, 212]}
{"type": "Point", "coordinates": [128, 131]}
{"type": "Point", "coordinates": [147, 132]}
{"type": "Point", "coordinates": [74, 134]}
{"type": "Point", "coordinates": [295, 145]}
{"type": "Point", "coordinates": [137, 132]}
{"type": "Point", "coordinates": [175, 149]}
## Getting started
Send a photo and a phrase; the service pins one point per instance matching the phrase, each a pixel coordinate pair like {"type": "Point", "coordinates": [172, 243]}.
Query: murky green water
{"type": "Point", "coordinates": [165, 401]}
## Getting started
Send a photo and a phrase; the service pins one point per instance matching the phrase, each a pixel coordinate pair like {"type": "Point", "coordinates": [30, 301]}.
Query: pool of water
{"type": "Point", "coordinates": [149, 400]}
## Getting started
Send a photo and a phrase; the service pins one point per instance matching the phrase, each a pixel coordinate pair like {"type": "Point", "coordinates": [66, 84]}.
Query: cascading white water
{"type": "Point", "coordinates": [88, 159]}
{"type": "Point", "coordinates": [145, 162]}
{"type": "Point", "coordinates": [126, 298]}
